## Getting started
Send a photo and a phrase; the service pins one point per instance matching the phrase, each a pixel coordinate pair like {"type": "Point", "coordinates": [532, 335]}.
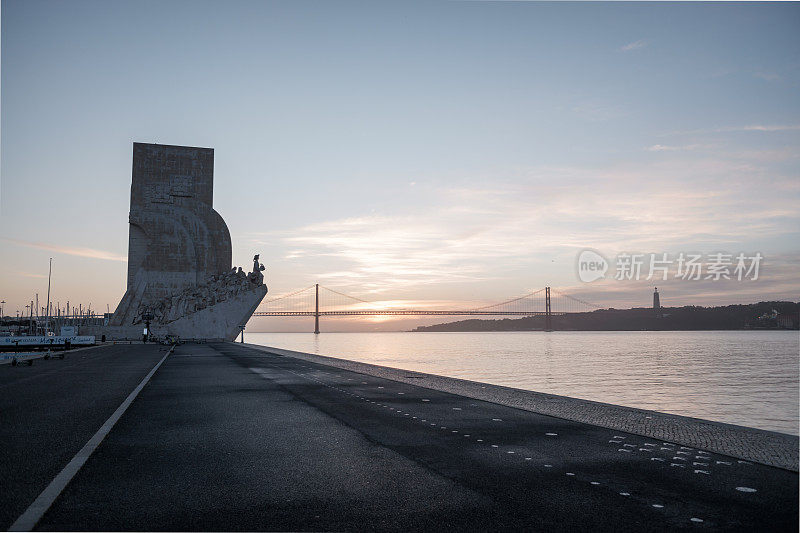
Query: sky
{"type": "Point", "coordinates": [437, 154]}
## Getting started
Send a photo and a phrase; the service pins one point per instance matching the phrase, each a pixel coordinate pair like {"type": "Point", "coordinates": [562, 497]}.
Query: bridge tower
{"type": "Point", "coordinates": [548, 324]}
{"type": "Point", "coordinates": [316, 311]}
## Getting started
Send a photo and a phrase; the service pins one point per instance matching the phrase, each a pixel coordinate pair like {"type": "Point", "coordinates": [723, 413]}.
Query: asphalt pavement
{"type": "Point", "coordinates": [49, 410]}
{"type": "Point", "coordinates": [225, 437]}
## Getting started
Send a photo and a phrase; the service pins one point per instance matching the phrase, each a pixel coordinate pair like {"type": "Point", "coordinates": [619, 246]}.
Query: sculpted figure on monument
{"type": "Point", "coordinates": [256, 275]}
{"type": "Point", "coordinates": [216, 288]}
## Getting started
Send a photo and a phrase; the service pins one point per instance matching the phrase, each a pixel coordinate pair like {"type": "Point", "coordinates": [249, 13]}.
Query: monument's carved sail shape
{"type": "Point", "coordinates": [179, 251]}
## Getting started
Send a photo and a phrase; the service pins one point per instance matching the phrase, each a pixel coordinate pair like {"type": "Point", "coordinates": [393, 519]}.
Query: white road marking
{"type": "Point", "coordinates": [497, 419]}
{"type": "Point", "coordinates": [555, 435]}
{"type": "Point", "coordinates": [27, 521]}
{"type": "Point", "coordinates": [701, 472]}
{"type": "Point", "coordinates": [658, 506]}
{"type": "Point", "coordinates": [570, 474]}
{"type": "Point", "coordinates": [723, 463]}
{"type": "Point", "coordinates": [548, 466]}
{"type": "Point", "coordinates": [695, 519]}
{"type": "Point", "coordinates": [456, 408]}
{"type": "Point", "coordinates": [744, 463]}
{"type": "Point", "coordinates": [495, 446]}
{"type": "Point", "coordinates": [677, 464]}
{"type": "Point", "coordinates": [425, 400]}
{"type": "Point", "coordinates": [595, 482]}
{"type": "Point", "coordinates": [624, 450]}
{"type": "Point", "coordinates": [618, 437]}
{"type": "Point", "coordinates": [699, 464]}
{"type": "Point", "coordinates": [624, 493]}
{"type": "Point", "coordinates": [745, 489]}
{"type": "Point", "coordinates": [509, 452]}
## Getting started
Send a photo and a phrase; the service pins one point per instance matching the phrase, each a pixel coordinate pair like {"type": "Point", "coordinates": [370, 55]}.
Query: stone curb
{"type": "Point", "coordinates": [766, 447]}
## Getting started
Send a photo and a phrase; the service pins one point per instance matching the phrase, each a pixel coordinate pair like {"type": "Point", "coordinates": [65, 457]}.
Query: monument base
{"type": "Point", "coordinates": [218, 322]}
{"type": "Point", "coordinates": [214, 309]}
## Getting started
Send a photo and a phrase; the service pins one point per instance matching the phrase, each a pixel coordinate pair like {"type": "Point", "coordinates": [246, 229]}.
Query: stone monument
{"type": "Point", "coordinates": [179, 252]}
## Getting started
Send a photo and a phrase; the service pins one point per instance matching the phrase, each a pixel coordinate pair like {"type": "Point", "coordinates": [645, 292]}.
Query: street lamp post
{"type": "Point", "coordinates": [147, 317]}
{"type": "Point", "coordinates": [49, 274]}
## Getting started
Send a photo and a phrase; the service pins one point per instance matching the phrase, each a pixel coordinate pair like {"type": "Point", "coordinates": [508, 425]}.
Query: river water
{"type": "Point", "coordinates": [748, 378]}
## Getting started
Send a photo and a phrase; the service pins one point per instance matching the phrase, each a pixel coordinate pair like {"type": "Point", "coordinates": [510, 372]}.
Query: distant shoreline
{"type": "Point", "coordinates": [424, 329]}
{"type": "Point", "coordinates": [762, 316]}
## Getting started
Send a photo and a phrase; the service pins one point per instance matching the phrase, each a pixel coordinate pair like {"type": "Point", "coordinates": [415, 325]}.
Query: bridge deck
{"type": "Point", "coordinates": [410, 312]}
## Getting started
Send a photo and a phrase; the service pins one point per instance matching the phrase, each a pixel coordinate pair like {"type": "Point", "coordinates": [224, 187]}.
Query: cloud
{"type": "Point", "coordinates": [768, 128]}
{"type": "Point", "coordinates": [393, 250]}
{"type": "Point", "coordinates": [666, 148]}
{"type": "Point", "coordinates": [29, 275]}
{"type": "Point", "coordinates": [529, 225]}
{"type": "Point", "coordinates": [635, 45]}
{"type": "Point", "coordinates": [90, 253]}
{"type": "Point", "coordinates": [760, 74]}
{"type": "Point", "coordinates": [759, 127]}
{"type": "Point", "coordinates": [598, 111]}
{"type": "Point", "coordinates": [767, 76]}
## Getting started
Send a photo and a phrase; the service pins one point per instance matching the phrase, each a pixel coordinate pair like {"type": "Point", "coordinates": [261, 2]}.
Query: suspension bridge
{"type": "Point", "coordinates": [319, 301]}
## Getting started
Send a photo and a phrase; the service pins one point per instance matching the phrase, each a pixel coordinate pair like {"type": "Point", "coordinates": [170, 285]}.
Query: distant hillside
{"type": "Point", "coordinates": [763, 315]}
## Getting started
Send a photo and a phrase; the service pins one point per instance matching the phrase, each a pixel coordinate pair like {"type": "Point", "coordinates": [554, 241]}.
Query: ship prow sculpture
{"type": "Point", "coordinates": [180, 278]}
